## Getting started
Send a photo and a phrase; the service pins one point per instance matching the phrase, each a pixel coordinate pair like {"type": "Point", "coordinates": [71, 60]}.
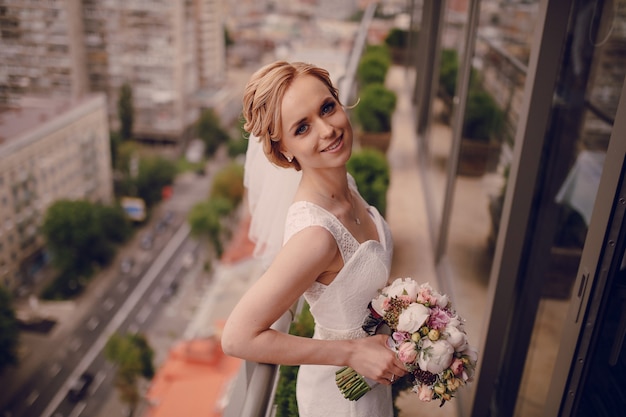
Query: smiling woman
{"type": "Point", "coordinates": [336, 251]}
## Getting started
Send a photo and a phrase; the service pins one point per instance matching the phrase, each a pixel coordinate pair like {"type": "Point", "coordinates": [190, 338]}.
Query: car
{"type": "Point", "coordinates": [146, 241]}
{"type": "Point", "coordinates": [168, 217]}
{"type": "Point", "coordinates": [79, 387]}
{"type": "Point", "coordinates": [126, 265]}
{"type": "Point", "coordinates": [188, 260]}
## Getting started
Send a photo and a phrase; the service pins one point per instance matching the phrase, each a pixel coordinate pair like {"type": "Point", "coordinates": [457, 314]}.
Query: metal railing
{"type": "Point", "coordinates": [252, 393]}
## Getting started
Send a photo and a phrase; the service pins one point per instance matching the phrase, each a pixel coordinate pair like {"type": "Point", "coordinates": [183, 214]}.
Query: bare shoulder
{"type": "Point", "coordinates": [312, 250]}
{"type": "Point", "coordinates": [313, 241]}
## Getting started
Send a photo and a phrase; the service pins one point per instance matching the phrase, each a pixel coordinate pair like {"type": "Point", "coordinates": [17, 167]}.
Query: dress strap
{"type": "Point", "coordinates": [303, 214]}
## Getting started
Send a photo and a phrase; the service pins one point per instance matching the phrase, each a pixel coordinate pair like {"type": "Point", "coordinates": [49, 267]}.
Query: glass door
{"type": "Point", "coordinates": [592, 357]}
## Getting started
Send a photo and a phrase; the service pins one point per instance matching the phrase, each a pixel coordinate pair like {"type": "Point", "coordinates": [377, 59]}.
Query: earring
{"type": "Point", "coordinates": [289, 158]}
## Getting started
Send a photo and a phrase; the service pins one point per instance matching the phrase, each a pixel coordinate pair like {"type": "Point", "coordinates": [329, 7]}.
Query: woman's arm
{"type": "Point", "coordinates": [247, 334]}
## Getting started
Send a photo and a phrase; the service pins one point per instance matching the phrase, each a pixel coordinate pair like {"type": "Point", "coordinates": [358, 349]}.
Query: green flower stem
{"type": "Point", "coordinates": [351, 384]}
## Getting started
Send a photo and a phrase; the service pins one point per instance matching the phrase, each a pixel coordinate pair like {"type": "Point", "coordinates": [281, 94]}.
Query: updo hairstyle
{"type": "Point", "coordinates": [262, 101]}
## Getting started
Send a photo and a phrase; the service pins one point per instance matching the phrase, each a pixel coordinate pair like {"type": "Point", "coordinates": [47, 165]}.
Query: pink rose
{"type": "Point", "coordinates": [426, 295]}
{"type": "Point", "coordinates": [425, 393]}
{"type": "Point", "coordinates": [457, 366]}
{"type": "Point", "coordinates": [400, 336]}
{"type": "Point", "coordinates": [423, 294]}
{"type": "Point", "coordinates": [407, 352]}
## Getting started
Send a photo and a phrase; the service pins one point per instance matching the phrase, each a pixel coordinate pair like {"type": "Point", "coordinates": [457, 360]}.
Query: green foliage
{"type": "Point", "coordinates": [373, 65]}
{"type": "Point", "coordinates": [205, 218]}
{"type": "Point", "coordinates": [9, 332]}
{"type": "Point", "coordinates": [228, 40]}
{"type": "Point", "coordinates": [132, 356]}
{"type": "Point", "coordinates": [448, 69]}
{"type": "Point", "coordinates": [484, 119]}
{"type": "Point", "coordinates": [154, 174]}
{"type": "Point", "coordinates": [74, 235]}
{"type": "Point", "coordinates": [371, 171]}
{"type": "Point", "coordinates": [125, 111]}
{"type": "Point", "coordinates": [210, 131]}
{"type": "Point", "coordinates": [114, 223]}
{"type": "Point", "coordinates": [146, 354]}
{"type": "Point", "coordinates": [399, 38]}
{"type": "Point", "coordinates": [376, 107]}
{"type": "Point", "coordinates": [228, 184]}
{"type": "Point", "coordinates": [81, 235]}
{"type": "Point", "coordinates": [285, 398]}
{"type": "Point", "coordinates": [237, 146]}
{"type": "Point", "coordinates": [379, 50]}
{"type": "Point", "coordinates": [115, 140]}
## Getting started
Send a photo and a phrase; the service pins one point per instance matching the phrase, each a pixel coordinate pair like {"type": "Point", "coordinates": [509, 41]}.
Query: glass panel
{"type": "Point", "coordinates": [583, 111]}
{"type": "Point", "coordinates": [438, 141]}
{"type": "Point", "coordinates": [497, 77]}
{"type": "Point", "coordinates": [603, 390]}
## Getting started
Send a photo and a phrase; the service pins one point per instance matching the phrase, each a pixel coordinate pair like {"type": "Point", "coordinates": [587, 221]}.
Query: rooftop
{"type": "Point", "coordinates": [29, 113]}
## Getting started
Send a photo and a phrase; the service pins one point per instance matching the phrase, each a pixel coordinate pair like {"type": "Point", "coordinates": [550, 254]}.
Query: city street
{"type": "Point", "coordinates": [162, 285]}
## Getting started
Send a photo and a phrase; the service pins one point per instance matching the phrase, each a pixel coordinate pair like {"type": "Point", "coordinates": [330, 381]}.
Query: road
{"type": "Point", "coordinates": [133, 302]}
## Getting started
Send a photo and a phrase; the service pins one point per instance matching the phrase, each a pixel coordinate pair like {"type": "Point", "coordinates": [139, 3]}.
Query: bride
{"type": "Point", "coordinates": [336, 249]}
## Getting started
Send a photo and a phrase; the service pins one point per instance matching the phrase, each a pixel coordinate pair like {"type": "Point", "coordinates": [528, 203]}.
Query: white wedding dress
{"type": "Point", "coordinates": [339, 310]}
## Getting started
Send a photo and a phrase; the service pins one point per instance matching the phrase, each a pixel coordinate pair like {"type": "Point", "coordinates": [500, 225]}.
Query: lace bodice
{"type": "Point", "coordinates": [339, 310]}
{"type": "Point", "coordinates": [340, 307]}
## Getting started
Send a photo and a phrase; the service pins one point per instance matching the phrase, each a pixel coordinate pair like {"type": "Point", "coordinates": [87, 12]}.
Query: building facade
{"type": "Point", "coordinates": [50, 149]}
{"type": "Point", "coordinates": [166, 50]}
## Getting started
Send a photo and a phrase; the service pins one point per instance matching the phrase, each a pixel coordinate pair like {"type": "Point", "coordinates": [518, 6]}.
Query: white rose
{"type": "Point", "coordinates": [455, 321]}
{"type": "Point", "coordinates": [455, 337]}
{"type": "Point", "coordinates": [441, 299]}
{"type": "Point", "coordinates": [471, 353]}
{"type": "Point", "coordinates": [435, 356]}
{"type": "Point", "coordinates": [402, 286]}
{"type": "Point", "coordinates": [413, 317]}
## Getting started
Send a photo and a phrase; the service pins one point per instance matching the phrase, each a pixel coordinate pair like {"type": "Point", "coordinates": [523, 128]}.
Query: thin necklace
{"type": "Point", "coordinates": [356, 219]}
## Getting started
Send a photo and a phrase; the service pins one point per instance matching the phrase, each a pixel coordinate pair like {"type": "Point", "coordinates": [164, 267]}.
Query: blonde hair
{"type": "Point", "coordinates": [262, 104]}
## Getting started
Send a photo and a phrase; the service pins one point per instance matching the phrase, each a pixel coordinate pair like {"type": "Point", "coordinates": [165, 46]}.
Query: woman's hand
{"type": "Point", "coordinates": [372, 358]}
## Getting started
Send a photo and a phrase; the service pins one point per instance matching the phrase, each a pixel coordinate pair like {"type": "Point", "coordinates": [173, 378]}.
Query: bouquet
{"type": "Point", "coordinates": [426, 334]}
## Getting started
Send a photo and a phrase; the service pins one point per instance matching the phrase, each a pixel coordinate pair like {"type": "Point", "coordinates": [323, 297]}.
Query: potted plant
{"type": "Point", "coordinates": [481, 132]}
{"type": "Point", "coordinates": [371, 171]}
{"type": "Point", "coordinates": [373, 113]}
{"type": "Point", "coordinates": [398, 42]}
{"type": "Point", "coordinates": [373, 65]}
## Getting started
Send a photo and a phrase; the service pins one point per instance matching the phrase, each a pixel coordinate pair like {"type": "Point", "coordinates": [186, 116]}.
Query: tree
{"type": "Point", "coordinates": [210, 131]}
{"type": "Point", "coordinates": [205, 218]}
{"type": "Point", "coordinates": [74, 235]}
{"type": "Point", "coordinates": [9, 331]}
{"type": "Point", "coordinates": [133, 356]}
{"type": "Point", "coordinates": [80, 235]}
{"type": "Point", "coordinates": [114, 142]}
{"type": "Point", "coordinates": [114, 223]}
{"type": "Point", "coordinates": [228, 184]}
{"type": "Point", "coordinates": [154, 174]}
{"type": "Point", "coordinates": [125, 111]}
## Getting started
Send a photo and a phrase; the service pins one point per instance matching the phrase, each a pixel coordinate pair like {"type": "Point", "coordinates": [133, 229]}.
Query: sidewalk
{"type": "Point", "coordinates": [407, 217]}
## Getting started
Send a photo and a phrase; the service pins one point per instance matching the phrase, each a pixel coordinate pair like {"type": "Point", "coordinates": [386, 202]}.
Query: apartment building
{"type": "Point", "coordinates": [166, 50]}
{"type": "Point", "coordinates": [50, 149]}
